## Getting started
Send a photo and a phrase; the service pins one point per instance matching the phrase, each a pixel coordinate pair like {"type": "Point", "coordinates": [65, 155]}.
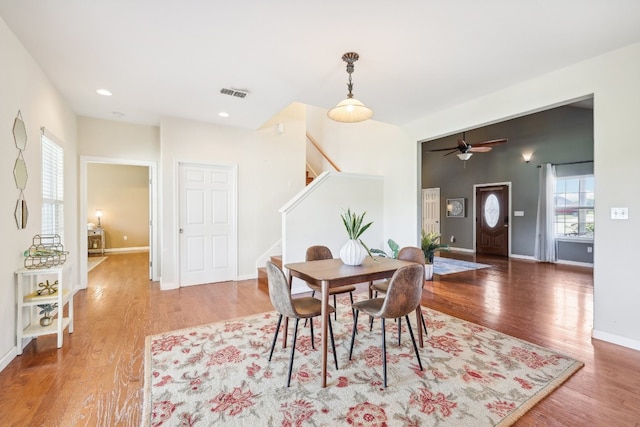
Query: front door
{"type": "Point", "coordinates": [207, 224]}
{"type": "Point", "coordinates": [492, 220]}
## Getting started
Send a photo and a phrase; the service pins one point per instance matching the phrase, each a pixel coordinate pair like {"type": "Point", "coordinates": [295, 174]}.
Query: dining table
{"type": "Point", "coordinates": [330, 273]}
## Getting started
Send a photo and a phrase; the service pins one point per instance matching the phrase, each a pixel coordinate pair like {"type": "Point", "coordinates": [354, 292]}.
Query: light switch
{"type": "Point", "coordinates": [518, 213]}
{"type": "Point", "coordinates": [619, 213]}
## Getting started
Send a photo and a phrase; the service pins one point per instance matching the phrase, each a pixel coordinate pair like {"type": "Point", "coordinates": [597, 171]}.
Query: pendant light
{"type": "Point", "coordinates": [350, 110]}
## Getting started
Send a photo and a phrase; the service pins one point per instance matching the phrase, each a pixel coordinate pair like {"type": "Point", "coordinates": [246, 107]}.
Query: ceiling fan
{"type": "Point", "coordinates": [465, 151]}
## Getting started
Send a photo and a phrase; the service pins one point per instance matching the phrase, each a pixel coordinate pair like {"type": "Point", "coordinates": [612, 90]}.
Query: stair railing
{"type": "Point", "coordinates": [322, 152]}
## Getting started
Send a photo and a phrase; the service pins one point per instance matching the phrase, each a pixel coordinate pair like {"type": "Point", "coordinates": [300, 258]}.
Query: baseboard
{"type": "Point", "coordinates": [523, 257]}
{"type": "Point", "coordinates": [246, 277]}
{"type": "Point", "coordinates": [132, 249]}
{"type": "Point", "coordinates": [579, 264]}
{"type": "Point", "coordinates": [465, 250]}
{"type": "Point", "coordinates": [615, 339]}
{"type": "Point", "coordinates": [7, 358]}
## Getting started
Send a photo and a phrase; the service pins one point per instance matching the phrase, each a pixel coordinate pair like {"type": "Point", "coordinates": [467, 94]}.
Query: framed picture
{"type": "Point", "coordinates": [455, 208]}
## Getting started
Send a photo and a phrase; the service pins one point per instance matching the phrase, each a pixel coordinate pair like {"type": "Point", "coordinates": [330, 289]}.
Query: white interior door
{"type": "Point", "coordinates": [431, 210]}
{"type": "Point", "coordinates": [207, 224]}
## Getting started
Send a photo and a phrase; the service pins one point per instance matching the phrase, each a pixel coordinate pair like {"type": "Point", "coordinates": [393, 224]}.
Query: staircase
{"type": "Point", "coordinates": [263, 281]}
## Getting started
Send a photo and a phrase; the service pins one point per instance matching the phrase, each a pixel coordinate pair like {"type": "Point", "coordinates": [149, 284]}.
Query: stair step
{"type": "Point", "coordinates": [263, 281]}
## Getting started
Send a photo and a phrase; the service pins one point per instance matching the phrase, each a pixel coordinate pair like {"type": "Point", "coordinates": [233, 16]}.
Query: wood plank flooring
{"type": "Point", "coordinates": [96, 378]}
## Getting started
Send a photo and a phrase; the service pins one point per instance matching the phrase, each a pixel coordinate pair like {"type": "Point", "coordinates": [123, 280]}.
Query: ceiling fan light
{"type": "Point", "coordinates": [350, 110]}
{"type": "Point", "coordinates": [464, 156]}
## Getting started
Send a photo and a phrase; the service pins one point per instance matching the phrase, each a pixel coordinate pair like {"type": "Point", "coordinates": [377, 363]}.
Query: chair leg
{"type": "Point", "coordinates": [333, 343]}
{"type": "Point", "coordinates": [384, 354]}
{"type": "Point", "coordinates": [399, 329]}
{"type": "Point", "coordinates": [335, 306]}
{"type": "Point", "coordinates": [424, 324]}
{"type": "Point", "coordinates": [413, 340]}
{"type": "Point", "coordinates": [370, 323]}
{"type": "Point", "coordinates": [293, 350]}
{"type": "Point", "coordinates": [353, 333]}
{"type": "Point", "coordinates": [275, 338]}
{"type": "Point", "coordinates": [313, 346]}
{"type": "Point", "coordinates": [353, 312]}
{"type": "Point", "coordinates": [313, 293]}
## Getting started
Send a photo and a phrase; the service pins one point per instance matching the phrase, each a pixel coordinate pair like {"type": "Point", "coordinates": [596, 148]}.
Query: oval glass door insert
{"type": "Point", "coordinates": [491, 210]}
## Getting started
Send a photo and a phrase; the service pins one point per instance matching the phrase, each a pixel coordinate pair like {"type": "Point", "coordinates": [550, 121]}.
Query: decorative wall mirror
{"type": "Point", "coordinates": [19, 133]}
{"type": "Point", "coordinates": [20, 171]}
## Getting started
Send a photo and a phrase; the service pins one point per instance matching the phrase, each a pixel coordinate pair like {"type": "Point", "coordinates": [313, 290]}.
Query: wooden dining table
{"type": "Point", "coordinates": [331, 273]}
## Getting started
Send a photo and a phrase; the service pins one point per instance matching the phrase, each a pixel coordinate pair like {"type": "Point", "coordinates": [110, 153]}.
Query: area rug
{"type": "Point", "coordinates": [93, 262]}
{"type": "Point", "coordinates": [449, 265]}
{"type": "Point", "coordinates": [218, 374]}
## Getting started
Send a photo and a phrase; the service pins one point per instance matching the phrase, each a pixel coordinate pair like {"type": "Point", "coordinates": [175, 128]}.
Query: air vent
{"type": "Point", "coordinates": [234, 92]}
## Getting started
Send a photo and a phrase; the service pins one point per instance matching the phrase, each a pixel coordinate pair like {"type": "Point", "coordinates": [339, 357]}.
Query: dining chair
{"type": "Point", "coordinates": [293, 308]}
{"type": "Point", "coordinates": [411, 254]}
{"type": "Point", "coordinates": [315, 253]}
{"type": "Point", "coordinates": [402, 297]}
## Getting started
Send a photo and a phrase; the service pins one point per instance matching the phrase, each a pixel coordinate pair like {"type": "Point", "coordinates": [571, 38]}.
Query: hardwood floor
{"type": "Point", "coordinates": [96, 378]}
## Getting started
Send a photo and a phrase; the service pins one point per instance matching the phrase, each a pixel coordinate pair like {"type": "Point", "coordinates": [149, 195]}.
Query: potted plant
{"type": "Point", "coordinates": [354, 251]}
{"type": "Point", "coordinates": [394, 250]}
{"type": "Point", "coordinates": [430, 244]}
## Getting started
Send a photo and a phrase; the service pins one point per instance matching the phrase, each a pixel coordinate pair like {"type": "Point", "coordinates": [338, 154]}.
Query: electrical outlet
{"type": "Point", "coordinates": [589, 249]}
{"type": "Point", "coordinates": [452, 239]}
{"type": "Point", "coordinates": [125, 237]}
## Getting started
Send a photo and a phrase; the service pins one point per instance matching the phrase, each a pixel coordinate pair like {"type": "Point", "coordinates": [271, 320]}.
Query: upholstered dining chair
{"type": "Point", "coordinates": [402, 297]}
{"type": "Point", "coordinates": [293, 308]}
{"type": "Point", "coordinates": [315, 253]}
{"type": "Point", "coordinates": [411, 254]}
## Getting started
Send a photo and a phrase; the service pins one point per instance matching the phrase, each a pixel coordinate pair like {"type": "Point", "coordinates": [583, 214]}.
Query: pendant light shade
{"type": "Point", "coordinates": [350, 110]}
{"type": "Point", "coordinates": [464, 156]}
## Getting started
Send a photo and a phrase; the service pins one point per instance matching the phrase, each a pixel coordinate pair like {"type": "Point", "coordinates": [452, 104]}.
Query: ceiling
{"type": "Point", "coordinates": [164, 58]}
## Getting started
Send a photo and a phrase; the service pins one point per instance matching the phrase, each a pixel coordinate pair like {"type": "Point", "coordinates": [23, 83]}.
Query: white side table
{"type": "Point", "coordinates": [27, 298]}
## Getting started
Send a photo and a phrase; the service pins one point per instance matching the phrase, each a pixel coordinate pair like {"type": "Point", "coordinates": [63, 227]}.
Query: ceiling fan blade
{"type": "Point", "coordinates": [491, 142]}
{"type": "Point", "coordinates": [445, 149]}
{"type": "Point", "coordinates": [455, 150]}
{"type": "Point", "coordinates": [476, 149]}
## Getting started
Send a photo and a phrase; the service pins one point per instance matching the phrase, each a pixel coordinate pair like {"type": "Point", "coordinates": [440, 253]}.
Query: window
{"type": "Point", "coordinates": [52, 188]}
{"type": "Point", "coordinates": [574, 201]}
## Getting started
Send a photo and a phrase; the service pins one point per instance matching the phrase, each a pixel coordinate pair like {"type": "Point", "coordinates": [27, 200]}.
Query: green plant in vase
{"type": "Point", "coordinates": [430, 244]}
{"type": "Point", "coordinates": [354, 251]}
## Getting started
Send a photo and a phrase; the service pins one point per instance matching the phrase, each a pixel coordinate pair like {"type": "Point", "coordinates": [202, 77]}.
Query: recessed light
{"type": "Point", "coordinates": [104, 92]}
{"type": "Point", "coordinates": [223, 114]}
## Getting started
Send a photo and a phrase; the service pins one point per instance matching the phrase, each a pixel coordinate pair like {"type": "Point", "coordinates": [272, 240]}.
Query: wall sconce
{"type": "Point", "coordinates": [527, 157]}
{"type": "Point", "coordinates": [99, 215]}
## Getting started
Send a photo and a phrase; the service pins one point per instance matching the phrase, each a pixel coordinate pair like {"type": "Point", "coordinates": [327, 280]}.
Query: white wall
{"type": "Point", "coordinates": [613, 79]}
{"type": "Point", "coordinates": [313, 216]}
{"type": "Point", "coordinates": [26, 88]}
{"type": "Point", "coordinates": [271, 170]}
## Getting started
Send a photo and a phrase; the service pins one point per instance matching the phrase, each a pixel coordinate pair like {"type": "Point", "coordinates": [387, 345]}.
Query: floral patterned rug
{"type": "Point", "coordinates": [218, 374]}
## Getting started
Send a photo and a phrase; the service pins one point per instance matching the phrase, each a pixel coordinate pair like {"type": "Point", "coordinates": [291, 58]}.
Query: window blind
{"type": "Point", "coordinates": [52, 188]}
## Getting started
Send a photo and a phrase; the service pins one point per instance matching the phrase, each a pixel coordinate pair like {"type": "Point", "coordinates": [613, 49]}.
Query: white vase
{"type": "Point", "coordinates": [353, 253]}
{"type": "Point", "coordinates": [428, 272]}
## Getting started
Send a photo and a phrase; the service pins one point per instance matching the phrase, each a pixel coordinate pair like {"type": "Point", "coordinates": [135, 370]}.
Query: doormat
{"type": "Point", "coordinates": [443, 266]}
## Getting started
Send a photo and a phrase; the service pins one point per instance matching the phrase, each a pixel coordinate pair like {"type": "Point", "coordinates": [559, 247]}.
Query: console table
{"type": "Point", "coordinates": [95, 242]}
{"type": "Point", "coordinates": [27, 298]}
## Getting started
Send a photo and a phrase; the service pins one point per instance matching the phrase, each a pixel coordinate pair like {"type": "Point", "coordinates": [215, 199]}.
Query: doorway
{"type": "Point", "coordinates": [492, 224]}
{"type": "Point", "coordinates": [431, 210]}
{"type": "Point", "coordinates": [84, 217]}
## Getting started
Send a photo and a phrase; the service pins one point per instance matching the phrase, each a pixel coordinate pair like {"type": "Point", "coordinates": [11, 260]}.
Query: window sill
{"type": "Point", "coordinates": [576, 239]}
